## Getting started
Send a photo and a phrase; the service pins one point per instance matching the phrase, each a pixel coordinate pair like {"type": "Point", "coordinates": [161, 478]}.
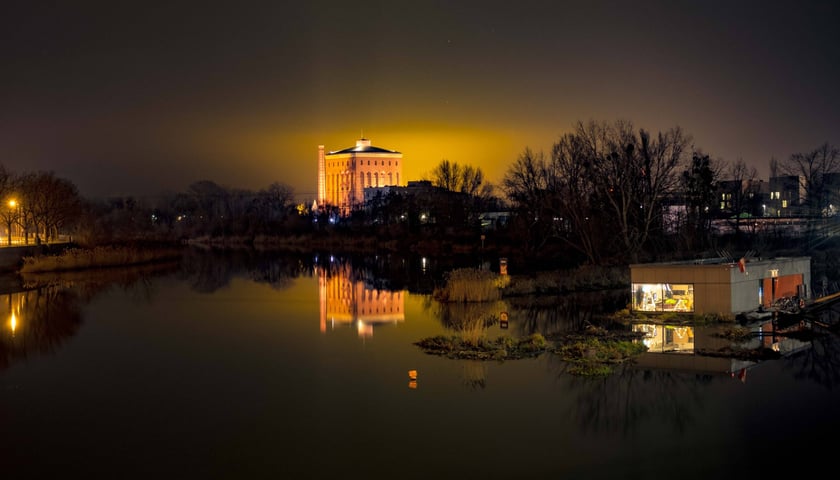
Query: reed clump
{"type": "Point", "coordinates": [101, 256]}
{"type": "Point", "coordinates": [470, 285]}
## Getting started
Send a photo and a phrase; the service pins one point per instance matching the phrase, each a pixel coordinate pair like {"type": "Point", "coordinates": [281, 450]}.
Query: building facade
{"type": "Point", "coordinates": [718, 285]}
{"type": "Point", "coordinates": [344, 174]}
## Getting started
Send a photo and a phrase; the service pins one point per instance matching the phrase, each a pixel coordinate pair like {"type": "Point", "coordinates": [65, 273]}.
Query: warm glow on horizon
{"type": "Point", "coordinates": [291, 157]}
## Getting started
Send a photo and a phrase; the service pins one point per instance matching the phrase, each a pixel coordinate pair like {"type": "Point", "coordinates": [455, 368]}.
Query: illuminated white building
{"type": "Point", "coordinates": [344, 174]}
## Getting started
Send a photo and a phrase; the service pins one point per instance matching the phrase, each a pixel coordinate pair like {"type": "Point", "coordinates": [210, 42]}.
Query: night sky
{"type": "Point", "coordinates": [141, 98]}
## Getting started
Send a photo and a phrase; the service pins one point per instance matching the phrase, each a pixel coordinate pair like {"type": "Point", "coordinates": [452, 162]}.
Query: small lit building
{"type": "Point", "coordinates": [717, 285]}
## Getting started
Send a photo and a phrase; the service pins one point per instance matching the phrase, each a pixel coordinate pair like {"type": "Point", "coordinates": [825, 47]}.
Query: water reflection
{"type": "Point", "coordinates": [38, 321]}
{"type": "Point", "coordinates": [208, 271]}
{"type": "Point", "coordinates": [346, 299]}
{"type": "Point", "coordinates": [474, 374]}
{"type": "Point", "coordinates": [557, 314]}
{"type": "Point", "coordinates": [703, 349]}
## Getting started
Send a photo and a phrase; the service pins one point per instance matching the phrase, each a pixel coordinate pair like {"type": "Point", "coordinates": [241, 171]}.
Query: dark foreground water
{"type": "Point", "coordinates": [284, 369]}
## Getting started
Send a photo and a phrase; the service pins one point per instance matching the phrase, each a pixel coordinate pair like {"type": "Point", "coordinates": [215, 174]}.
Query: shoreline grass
{"type": "Point", "coordinates": [103, 256]}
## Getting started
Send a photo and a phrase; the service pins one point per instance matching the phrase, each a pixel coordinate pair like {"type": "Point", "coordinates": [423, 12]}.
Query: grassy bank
{"type": "Point", "coordinates": [85, 258]}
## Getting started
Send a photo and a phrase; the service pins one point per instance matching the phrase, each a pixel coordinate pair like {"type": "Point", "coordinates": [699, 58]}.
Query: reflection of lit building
{"type": "Point", "coordinates": [348, 301]}
{"type": "Point", "coordinates": [666, 338]}
{"type": "Point", "coordinates": [344, 174]}
{"type": "Point", "coordinates": [717, 285]}
{"type": "Point", "coordinates": [685, 348]}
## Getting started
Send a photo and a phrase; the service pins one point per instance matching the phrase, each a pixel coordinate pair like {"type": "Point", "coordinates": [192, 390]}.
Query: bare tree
{"type": "Point", "coordinates": [742, 178]}
{"type": "Point", "coordinates": [699, 185]}
{"type": "Point", "coordinates": [526, 185]}
{"type": "Point", "coordinates": [634, 173]}
{"type": "Point", "coordinates": [601, 176]}
{"type": "Point", "coordinates": [457, 178]}
{"type": "Point", "coordinates": [447, 175]}
{"type": "Point", "coordinates": [8, 197]}
{"type": "Point", "coordinates": [50, 203]}
{"type": "Point", "coordinates": [581, 216]}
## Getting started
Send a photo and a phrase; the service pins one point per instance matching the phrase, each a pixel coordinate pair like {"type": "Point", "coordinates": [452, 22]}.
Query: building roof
{"type": "Point", "coordinates": [363, 146]}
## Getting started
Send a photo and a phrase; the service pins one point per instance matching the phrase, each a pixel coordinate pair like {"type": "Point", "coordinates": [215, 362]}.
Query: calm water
{"type": "Point", "coordinates": [257, 367]}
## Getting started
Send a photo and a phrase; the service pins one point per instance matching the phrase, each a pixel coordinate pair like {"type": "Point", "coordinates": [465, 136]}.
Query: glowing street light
{"type": "Point", "coordinates": [11, 218]}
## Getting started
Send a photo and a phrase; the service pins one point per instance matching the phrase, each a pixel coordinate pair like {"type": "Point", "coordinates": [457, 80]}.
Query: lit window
{"type": "Point", "coordinates": [663, 297]}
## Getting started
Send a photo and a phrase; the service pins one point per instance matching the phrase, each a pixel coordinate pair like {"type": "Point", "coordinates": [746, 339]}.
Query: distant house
{"type": "Point", "coordinates": [717, 285]}
{"type": "Point", "coordinates": [787, 194]}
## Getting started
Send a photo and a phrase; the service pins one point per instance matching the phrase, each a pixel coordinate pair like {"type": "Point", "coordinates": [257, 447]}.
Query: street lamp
{"type": "Point", "coordinates": [12, 217]}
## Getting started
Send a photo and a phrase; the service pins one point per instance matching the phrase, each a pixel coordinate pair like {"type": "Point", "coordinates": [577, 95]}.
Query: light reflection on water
{"type": "Point", "coordinates": [252, 367]}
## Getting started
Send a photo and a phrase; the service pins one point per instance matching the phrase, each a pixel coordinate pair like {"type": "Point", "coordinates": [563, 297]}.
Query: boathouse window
{"type": "Point", "coordinates": [663, 297]}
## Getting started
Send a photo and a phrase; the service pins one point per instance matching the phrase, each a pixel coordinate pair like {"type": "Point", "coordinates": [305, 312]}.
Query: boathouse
{"type": "Point", "coordinates": [718, 285]}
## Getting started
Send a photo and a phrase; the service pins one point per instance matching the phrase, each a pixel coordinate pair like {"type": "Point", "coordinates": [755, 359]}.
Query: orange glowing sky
{"type": "Point", "coordinates": [141, 98]}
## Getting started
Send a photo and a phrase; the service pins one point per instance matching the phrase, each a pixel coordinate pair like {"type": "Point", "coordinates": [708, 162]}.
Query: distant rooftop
{"type": "Point", "coordinates": [363, 146]}
{"type": "Point", "coordinates": [719, 261]}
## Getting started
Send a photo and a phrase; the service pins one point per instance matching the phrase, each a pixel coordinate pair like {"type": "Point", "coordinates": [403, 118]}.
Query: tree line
{"type": "Point", "coordinates": [615, 193]}
{"type": "Point", "coordinates": [39, 204]}
{"type": "Point", "coordinates": [606, 192]}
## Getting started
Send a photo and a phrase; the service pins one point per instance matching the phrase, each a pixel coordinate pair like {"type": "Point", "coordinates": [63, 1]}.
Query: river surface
{"type": "Point", "coordinates": [273, 367]}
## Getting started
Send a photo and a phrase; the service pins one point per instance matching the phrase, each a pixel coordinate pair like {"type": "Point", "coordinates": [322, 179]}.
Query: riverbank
{"type": "Point", "coordinates": [11, 256]}
{"type": "Point", "coordinates": [75, 258]}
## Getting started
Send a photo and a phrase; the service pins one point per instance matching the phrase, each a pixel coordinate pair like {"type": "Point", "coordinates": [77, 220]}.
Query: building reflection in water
{"type": "Point", "coordinates": [685, 348]}
{"type": "Point", "coordinates": [346, 300]}
{"type": "Point", "coordinates": [666, 338]}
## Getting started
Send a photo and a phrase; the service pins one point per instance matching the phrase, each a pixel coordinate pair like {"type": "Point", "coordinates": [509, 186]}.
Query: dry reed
{"type": "Point", "coordinates": [82, 258]}
{"type": "Point", "coordinates": [470, 285]}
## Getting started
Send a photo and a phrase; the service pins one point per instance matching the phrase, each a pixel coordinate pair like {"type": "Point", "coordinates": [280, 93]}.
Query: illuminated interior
{"type": "Point", "coordinates": [663, 297]}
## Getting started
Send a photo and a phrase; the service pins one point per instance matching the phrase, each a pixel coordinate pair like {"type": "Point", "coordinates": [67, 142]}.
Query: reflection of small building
{"type": "Point", "coordinates": [680, 347]}
{"type": "Point", "coordinates": [717, 285]}
{"type": "Point", "coordinates": [345, 300]}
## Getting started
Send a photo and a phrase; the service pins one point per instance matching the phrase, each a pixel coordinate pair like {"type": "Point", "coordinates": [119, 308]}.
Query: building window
{"type": "Point", "coordinates": [663, 297]}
